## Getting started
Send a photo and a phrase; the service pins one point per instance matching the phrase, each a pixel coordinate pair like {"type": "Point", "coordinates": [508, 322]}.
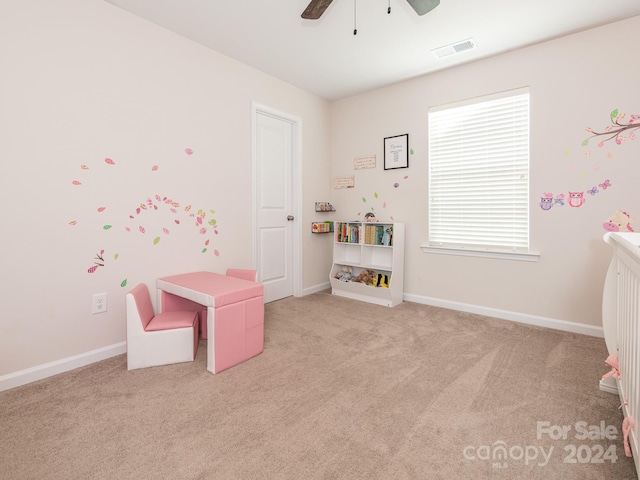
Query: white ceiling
{"type": "Point", "coordinates": [324, 57]}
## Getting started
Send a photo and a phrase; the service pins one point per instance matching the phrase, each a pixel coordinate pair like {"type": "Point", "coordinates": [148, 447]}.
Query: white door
{"type": "Point", "coordinates": [276, 239]}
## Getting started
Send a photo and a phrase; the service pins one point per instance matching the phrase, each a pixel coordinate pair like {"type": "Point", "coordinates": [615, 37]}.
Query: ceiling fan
{"type": "Point", "coordinates": [316, 8]}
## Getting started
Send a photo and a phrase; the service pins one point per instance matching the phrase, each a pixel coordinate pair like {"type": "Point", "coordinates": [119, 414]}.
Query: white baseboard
{"type": "Point", "coordinates": [507, 315]}
{"type": "Point", "coordinates": [40, 372]}
{"type": "Point", "coordinates": [609, 384]}
{"type": "Point", "coordinates": [316, 288]}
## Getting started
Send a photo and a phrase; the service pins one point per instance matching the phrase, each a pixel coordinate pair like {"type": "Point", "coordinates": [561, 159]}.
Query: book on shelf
{"type": "Point", "coordinates": [378, 235]}
{"type": "Point", "coordinates": [322, 227]}
{"type": "Point", "coordinates": [347, 233]}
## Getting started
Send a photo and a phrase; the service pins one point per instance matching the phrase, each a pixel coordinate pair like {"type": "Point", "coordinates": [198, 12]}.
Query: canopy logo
{"type": "Point", "coordinates": [500, 453]}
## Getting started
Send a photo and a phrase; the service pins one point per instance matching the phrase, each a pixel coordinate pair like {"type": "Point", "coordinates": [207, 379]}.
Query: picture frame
{"type": "Point", "coordinates": [396, 152]}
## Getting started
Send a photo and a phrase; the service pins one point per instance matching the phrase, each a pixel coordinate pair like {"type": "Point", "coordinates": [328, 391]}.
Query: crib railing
{"type": "Point", "coordinates": [620, 321]}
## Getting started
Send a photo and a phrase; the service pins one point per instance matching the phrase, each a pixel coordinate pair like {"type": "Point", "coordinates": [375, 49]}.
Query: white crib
{"type": "Point", "coordinates": [620, 321]}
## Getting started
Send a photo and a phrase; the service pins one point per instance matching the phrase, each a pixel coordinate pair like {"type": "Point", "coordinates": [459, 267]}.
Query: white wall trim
{"type": "Point", "coordinates": [610, 385]}
{"type": "Point", "coordinates": [525, 318]}
{"type": "Point", "coordinates": [40, 372]}
{"type": "Point", "coordinates": [316, 288]}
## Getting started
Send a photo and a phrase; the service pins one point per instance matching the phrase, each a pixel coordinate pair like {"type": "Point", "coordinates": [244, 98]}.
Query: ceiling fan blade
{"type": "Point", "coordinates": [423, 6]}
{"type": "Point", "coordinates": [316, 8]}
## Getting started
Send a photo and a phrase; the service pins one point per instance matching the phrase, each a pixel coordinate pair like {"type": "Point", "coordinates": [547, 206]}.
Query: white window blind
{"type": "Point", "coordinates": [479, 174]}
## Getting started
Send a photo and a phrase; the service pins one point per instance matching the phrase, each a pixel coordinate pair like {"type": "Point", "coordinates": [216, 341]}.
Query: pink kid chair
{"type": "Point", "coordinates": [162, 339]}
{"type": "Point", "coordinates": [241, 273]}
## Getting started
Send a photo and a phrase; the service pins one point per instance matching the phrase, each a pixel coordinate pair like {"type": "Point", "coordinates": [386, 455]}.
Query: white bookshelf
{"type": "Point", "coordinates": [360, 249]}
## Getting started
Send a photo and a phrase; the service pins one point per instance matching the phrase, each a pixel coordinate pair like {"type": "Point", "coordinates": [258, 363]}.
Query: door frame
{"type": "Point", "coordinates": [296, 188]}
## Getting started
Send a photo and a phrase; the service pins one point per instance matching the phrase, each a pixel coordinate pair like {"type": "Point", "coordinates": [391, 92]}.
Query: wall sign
{"type": "Point", "coordinates": [344, 182]}
{"type": "Point", "coordinates": [396, 152]}
{"type": "Point", "coordinates": [368, 161]}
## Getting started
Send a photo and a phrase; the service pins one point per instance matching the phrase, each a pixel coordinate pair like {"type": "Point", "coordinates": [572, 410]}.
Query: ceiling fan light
{"type": "Point", "coordinates": [423, 6]}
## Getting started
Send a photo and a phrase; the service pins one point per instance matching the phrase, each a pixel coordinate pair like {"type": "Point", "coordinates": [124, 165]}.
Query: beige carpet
{"type": "Point", "coordinates": [343, 390]}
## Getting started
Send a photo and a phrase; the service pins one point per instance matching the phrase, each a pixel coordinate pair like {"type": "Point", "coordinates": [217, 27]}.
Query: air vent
{"type": "Point", "coordinates": [457, 47]}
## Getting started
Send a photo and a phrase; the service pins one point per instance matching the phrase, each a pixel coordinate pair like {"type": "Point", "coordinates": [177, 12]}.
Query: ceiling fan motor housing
{"type": "Point", "coordinates": [423, 6]}
{"type": "Point", "coordinates": [316, 8]}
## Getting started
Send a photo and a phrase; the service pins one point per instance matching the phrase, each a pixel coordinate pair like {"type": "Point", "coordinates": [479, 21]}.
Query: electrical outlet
{"type": "Point", "coordinates": [99, 303]}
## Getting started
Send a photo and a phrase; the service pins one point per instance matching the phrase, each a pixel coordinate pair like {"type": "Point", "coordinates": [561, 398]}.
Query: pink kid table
{"type": "Point", "coordinates": [234, 313]}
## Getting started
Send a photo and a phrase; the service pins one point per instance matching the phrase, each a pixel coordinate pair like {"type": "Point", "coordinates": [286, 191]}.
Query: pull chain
{"type": "Point", "coordinates": [355, 15]}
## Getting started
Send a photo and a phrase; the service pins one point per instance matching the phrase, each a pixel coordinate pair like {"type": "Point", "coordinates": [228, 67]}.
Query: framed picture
{"type": "Point", "coordinates": [396, 152]}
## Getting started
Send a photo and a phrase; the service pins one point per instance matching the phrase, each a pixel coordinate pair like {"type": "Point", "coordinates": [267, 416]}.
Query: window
{"type": "Point", "coordinates": [479, 174]}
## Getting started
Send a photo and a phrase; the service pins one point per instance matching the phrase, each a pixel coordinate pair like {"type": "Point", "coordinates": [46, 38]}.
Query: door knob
{"type": "Point", "coordinates": [290, 217]}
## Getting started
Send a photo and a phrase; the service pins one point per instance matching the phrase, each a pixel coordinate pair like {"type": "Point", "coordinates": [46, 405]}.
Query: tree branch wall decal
{"type": "Point", "coordinates": [616, 131]}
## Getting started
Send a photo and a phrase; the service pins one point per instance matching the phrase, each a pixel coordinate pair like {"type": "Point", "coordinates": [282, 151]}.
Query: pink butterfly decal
{"type": "Point", "coordinates": [188, 151]}
{"type": "Point", "coordinates": [604, 185]}
{"type": "Point", "coordinates": [108, 161]}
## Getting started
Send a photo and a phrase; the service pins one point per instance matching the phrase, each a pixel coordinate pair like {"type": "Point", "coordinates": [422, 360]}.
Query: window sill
{"type": "Point", "coordinates": [522, 257]}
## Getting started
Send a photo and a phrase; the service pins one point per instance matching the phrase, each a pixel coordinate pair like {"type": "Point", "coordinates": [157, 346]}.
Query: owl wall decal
{"type": "Point", "coordinates": [546, 203]}
{"type": "Point", "coordinates": [576, 199]}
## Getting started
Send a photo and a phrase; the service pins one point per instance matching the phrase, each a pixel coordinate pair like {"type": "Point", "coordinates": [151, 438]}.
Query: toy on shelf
{"type": "Point", "coordinates": [324, 207]}
{"type": "Point", "coordinates": [381, 280]}
{"type": "Point", "coordinates": [345, 274]}
{"type": "Point", "coordinates": [366, 276]}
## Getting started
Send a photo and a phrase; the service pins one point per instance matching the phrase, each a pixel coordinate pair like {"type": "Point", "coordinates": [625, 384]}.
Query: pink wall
{"type": "Point", "coordinates": [575, 82]}
{"type": "Point", "coordinates": [126, 156]}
